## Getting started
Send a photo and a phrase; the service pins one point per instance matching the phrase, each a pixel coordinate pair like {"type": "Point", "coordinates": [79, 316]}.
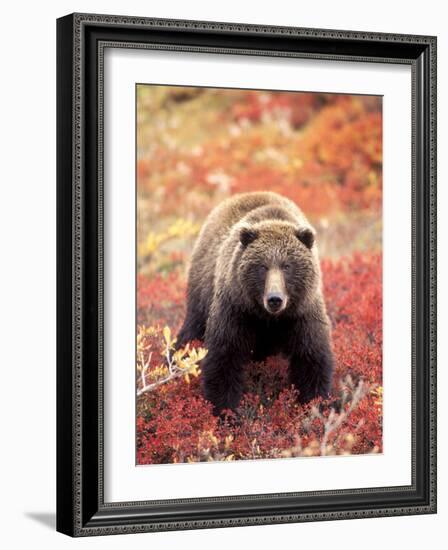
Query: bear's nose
{"type": "Point", "coordinates": [275, 301]}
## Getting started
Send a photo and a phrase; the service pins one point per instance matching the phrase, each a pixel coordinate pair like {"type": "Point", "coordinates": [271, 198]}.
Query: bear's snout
{"type": "Point", "coordinates": [274, 301]}
{"type": "Point", "coordinates": [275, 297]}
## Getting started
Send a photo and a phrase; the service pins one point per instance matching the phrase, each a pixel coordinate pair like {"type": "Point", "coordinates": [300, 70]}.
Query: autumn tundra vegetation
{"type": "Point", "coordinates": [198, 146]}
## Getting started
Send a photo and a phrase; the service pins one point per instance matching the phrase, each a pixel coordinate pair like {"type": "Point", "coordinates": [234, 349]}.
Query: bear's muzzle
{"type": "Point", "coordinates": [275, 298]}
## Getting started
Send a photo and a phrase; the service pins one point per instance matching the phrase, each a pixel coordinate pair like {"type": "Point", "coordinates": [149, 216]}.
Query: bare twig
{"type": "Point", "coordinates": [182, 362]}
{"type": "Point", "coordinates": [145, 366]}
{"type": "Point", "coordinates": [335, 420]}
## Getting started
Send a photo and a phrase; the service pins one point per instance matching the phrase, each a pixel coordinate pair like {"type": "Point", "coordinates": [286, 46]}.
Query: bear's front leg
{"type": "Point", "coordinates": [193, 327]}
{"type": "Point", "coordinates": [311, 359]}
{"type": "Point", "coordinates": [222, 377]}
{"type": "Point", "coordinates": [228, 345]}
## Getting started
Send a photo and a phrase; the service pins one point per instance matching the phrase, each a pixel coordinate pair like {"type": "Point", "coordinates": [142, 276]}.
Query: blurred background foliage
{"type": "Point", "coordinates": [197, 146]}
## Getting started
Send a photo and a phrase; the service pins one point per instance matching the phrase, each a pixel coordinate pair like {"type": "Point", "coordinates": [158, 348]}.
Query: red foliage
{"type": "Point", "coordinates": [161, 299]}
{"type": "Point", "coordinates": [353, 291]}
{"type": "Point", "coordinates": [298, 108]}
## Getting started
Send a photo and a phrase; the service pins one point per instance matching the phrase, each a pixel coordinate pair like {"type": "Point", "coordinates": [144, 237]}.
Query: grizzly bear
{"type": "Point", "coordinates": [254, 290]}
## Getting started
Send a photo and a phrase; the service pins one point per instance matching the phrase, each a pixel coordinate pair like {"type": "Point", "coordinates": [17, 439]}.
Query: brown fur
{"type": "Point", "coordinates": [247, 241]}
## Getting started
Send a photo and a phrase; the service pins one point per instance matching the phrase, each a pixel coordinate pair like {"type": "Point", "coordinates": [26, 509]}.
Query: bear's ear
{"type": "Point", "coordinates": [306, 236]}
{"type": "Point", "coordinates": [247, 236]}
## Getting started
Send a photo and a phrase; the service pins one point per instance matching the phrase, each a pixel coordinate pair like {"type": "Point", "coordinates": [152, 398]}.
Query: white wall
{"type": "Point", "coordinates": [27, 305]}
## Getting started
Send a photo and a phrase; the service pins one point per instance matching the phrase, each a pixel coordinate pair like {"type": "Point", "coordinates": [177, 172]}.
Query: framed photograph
{"type": "Point", "coordinates": [246, 274]}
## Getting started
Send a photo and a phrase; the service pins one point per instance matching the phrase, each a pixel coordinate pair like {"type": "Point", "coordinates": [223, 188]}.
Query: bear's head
{"type": "Point", "coordinates": [278, 267]}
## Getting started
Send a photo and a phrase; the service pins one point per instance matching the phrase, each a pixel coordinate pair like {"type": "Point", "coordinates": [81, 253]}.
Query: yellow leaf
{"type": "Point", "coordinates": [213, 438]}
{"type": "Point", "coordinates": [167, 335]}
{"type": "Point", "coordinates": [178, 358]}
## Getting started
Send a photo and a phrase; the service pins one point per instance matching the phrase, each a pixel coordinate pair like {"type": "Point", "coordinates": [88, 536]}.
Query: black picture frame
{"type": "Point", "coordinates": [81, 39]}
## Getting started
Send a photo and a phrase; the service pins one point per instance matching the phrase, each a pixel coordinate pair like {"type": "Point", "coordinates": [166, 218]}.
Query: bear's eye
{"type": "Point", "coordinates": [286, 267]}
{"type": "Point", "coordinates": [263, 268]}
